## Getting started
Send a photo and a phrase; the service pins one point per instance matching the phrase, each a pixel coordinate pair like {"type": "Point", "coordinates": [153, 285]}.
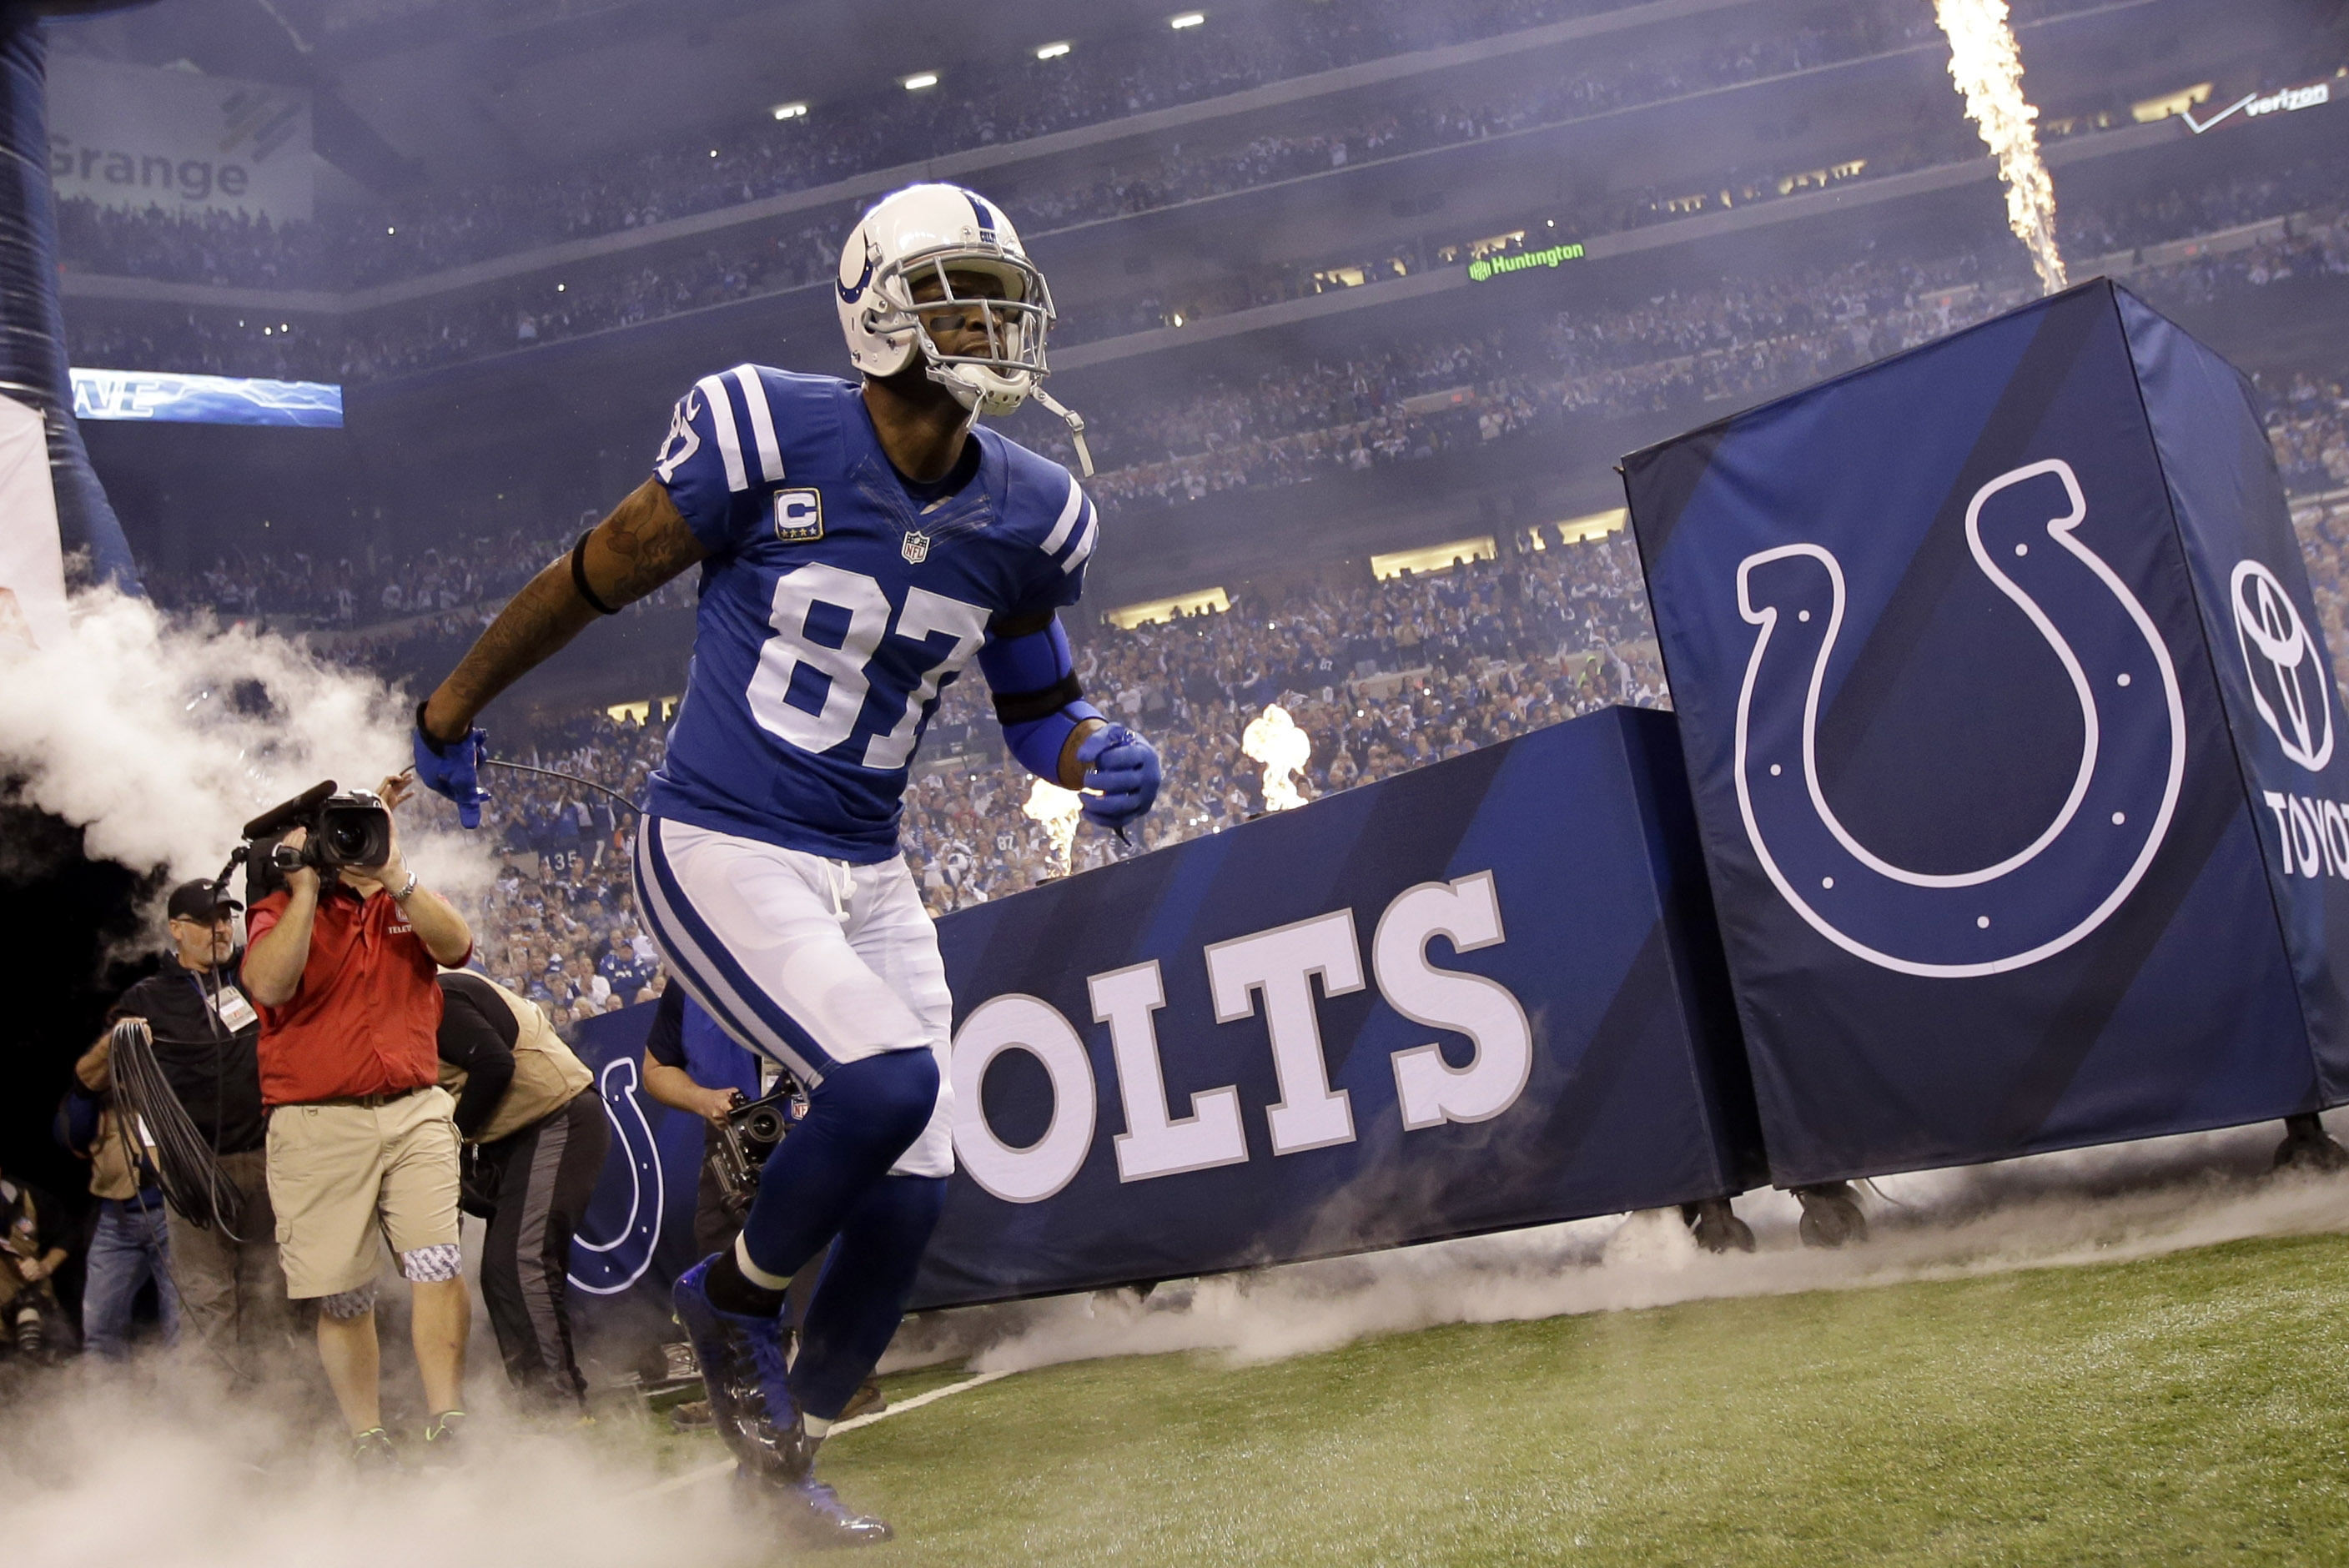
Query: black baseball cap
{"type": "Point", "coordinates": [197, 901]}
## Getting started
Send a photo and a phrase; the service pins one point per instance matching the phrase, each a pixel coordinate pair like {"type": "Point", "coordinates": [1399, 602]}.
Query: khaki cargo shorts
{"type": "Point", "coordinates": [346, 1179]}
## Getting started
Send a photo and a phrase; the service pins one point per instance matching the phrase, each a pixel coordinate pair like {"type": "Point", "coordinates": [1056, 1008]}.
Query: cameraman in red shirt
{"type": "Point", "coordinates": [361, 1142]}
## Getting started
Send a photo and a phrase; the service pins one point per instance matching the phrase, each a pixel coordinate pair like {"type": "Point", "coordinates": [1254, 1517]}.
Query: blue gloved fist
{"type": "Point", "coordinates": [1124, 768]}
{"type": "Point", "coordinates": [455, 769]}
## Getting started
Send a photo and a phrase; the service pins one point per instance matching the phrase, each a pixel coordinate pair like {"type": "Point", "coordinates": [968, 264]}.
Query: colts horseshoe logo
{"type": "Point", "coordinates": [2062, 885]}
{"type": "Point", "coordinates": [607, 1268]}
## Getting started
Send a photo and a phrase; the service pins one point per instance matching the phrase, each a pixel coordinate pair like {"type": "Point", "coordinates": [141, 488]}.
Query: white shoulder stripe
{"type": "Point", "coordinates": [730, 444]}
{"type": "Point", "coordinates": [762, 422]}
{"type": "Point", "coordinates": [1084, 543]}
{"type": "Point", "coordinates": [1059, 534]}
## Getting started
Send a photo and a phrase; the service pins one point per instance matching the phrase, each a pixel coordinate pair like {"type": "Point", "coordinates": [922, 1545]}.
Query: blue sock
{"type": "Point", "coordinates": [860, 1118]}
{"type": "Point", "coordinates": [864, 1291]}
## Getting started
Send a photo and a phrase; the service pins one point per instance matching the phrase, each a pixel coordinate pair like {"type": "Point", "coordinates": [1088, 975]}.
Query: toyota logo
{"type": "Point", "coordinates": [2289, 683]}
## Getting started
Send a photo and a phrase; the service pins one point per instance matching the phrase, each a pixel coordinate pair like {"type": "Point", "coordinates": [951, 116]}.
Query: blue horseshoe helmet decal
{"type": "Point", "coordinates": [2068, 880]}
{"type": "Point", "coordinates": [607, 1268]}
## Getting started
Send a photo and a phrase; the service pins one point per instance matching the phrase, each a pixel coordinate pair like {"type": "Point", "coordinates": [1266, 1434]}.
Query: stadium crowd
{"type": "Point", "coordinates": [981, 108]}
{"type": "Point", "coordinates": [425, 333]}
{"type": "Point", "coordinates": [767, 258]}
{"type": "Point", "coordinates": [1740, 341]}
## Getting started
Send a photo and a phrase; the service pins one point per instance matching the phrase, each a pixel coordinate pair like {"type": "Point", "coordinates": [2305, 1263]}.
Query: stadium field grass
{"type": "Point", "coordinates": [2192, 1408]}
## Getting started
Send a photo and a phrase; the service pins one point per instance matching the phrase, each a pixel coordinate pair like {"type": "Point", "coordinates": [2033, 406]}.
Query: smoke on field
{"type": "Point", "coordinates": [159, 1463]}
{"type": "Point", "coordinates": [159, 738]}
{"type": "Point", "coordinates": [2090, 1206]}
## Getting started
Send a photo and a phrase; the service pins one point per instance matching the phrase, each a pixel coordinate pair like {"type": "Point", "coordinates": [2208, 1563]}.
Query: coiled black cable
{"type": "Point", "coordinates": [158, 1126]}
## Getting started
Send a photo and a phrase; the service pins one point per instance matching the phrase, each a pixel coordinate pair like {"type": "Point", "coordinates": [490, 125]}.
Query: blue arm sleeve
{"type": "Point", "coordinates": [1036, 661]}
{"type": "Point", "coordinates": [1027, 674]}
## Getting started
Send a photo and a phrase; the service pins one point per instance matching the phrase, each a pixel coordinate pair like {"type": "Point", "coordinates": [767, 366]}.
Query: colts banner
{"type": "Point", "coordinates": [2011, 734]}
{"type": "Point", "coordinates": [1482, 995]}
{"type": "Point", "coordinates": [638, 1228]}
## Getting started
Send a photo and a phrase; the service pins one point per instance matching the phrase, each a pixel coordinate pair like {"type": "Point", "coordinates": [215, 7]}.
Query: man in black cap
{"type": "Point", "coordinates": [205, 1033]}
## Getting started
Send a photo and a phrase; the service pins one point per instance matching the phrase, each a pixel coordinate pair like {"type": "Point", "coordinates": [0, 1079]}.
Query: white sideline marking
{"type": "Point", "coordinates": [725, 1467]}
{"type": "Point", "coordinates": [918, 1400]}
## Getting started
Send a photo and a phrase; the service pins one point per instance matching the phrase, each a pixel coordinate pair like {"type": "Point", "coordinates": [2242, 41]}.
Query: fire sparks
{"type": "Point", "coordinates": [1057, 809]}
{"type": "Point", "coordinates": [1273, 738]}
{"type": "Point", "coordinates": [1988, 69]}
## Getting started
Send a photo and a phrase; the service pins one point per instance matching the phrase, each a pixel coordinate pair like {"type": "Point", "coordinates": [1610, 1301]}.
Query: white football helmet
{"type": "Point", "coordinates": [923, 231]}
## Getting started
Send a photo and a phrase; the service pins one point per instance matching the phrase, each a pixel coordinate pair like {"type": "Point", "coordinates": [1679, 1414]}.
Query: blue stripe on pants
{"type": "Point", "coordinates": [710, 972]}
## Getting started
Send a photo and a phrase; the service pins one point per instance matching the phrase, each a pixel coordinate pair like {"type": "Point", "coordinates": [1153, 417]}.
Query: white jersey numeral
{"type": "Point", "coordinates": [925, 615]}
{"type": "Point", "coordinates": [842, 666]}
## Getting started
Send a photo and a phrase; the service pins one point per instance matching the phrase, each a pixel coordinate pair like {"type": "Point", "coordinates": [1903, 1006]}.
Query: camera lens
{"type": "Point", "coordinates": [763, 1126]}
{"type": "Point", "coordinates": [347, 837]}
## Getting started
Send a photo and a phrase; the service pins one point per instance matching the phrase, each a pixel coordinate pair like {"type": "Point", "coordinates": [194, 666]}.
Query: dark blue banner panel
{"type": "Point", "coordinates": [1483, 994]}
{"type": "Point", "coordinates": [2267, 644]}
{"type": "Point", "coordinates": [158, 398]}
{"type": "Point", "coordinates": [638, 1235]}
{"type": "Point", "coordinates": [1969, 649]}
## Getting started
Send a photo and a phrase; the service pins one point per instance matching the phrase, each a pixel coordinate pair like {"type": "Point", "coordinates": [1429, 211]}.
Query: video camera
{"type": "Point", "coordinates": [746, 1137]}
{"type": "Point", "coordinates": [351, 829]}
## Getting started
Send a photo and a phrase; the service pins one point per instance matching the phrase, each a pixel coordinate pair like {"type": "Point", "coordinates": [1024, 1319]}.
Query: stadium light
{"type": "Point", "coordinates": [919, 81]}
{"type": "Point", "coordinates": [789, 111]}
{"type": "Point", "coordinates": [560, 287]}
{"type": "Point", "coordinates": [388, 229]}
{"type": "Point", "coordinates": [1051, 51]}
{"type": "Point", "coordinates": [1187, 19]}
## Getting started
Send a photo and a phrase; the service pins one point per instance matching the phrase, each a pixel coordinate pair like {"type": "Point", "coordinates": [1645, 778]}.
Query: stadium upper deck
{"type": "Point", "coordinates": [1624, 117]}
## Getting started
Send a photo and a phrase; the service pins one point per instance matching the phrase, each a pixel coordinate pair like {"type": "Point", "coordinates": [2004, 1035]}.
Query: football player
{"type": "Point", "coordinates": [859, 544]}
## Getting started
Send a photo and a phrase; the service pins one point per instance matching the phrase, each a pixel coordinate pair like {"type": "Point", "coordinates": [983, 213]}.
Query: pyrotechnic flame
{"type": "Point", "coordinates": [1273, 738]}
{"type": "Point", "coordinates": [1057, 809]}
{"type": "Point", "coordinates": [1988, 69]}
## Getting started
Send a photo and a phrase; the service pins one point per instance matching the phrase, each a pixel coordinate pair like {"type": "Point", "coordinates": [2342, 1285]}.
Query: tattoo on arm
{"type": "Point", "coordinates": [643, 544]}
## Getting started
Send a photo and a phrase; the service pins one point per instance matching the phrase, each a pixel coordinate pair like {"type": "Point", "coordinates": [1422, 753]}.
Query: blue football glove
{"type": "Point", "coordinates": [453, 769]}
{"type": "Point", "coordinates": [1124, 767]}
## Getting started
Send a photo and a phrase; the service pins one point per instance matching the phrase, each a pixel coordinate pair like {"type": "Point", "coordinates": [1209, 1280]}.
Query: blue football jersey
{"type": "Point", "coordinates": [834, 606]}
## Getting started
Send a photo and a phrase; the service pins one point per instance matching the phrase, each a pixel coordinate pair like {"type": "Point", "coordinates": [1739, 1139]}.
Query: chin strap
{"type": "Point", "coordinates": [1076, 423]}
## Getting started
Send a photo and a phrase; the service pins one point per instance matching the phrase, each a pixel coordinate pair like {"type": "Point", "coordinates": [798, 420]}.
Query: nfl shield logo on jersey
{"type": "Point", "coordinates": [916, 548]}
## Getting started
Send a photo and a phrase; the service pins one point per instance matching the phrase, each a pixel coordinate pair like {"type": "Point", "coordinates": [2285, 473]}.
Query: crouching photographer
{"type": "Point", "coordinates": [361, 1148]}
{"type": "Point", "coordinates": [535, 1138]}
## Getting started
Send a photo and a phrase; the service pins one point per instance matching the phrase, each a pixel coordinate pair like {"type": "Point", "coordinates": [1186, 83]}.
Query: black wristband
{"type": "Point", "coordinates": [1026, 707]}
{"type": "Point", "coordinates": [579, 579]}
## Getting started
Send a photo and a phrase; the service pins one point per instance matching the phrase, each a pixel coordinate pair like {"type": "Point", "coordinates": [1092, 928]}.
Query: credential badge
{"type": "Point", "coordinates": [916, 548]}
{"type": "Point", "coordinates": [799, 515]}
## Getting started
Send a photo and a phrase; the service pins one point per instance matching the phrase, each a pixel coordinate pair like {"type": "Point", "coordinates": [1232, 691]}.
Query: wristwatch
{"type": "Point", "coordinates": [401, 896]}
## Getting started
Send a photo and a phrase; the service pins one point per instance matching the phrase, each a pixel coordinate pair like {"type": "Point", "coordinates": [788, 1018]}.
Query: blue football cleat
{"type": "Point", "coordinates": [810, 1512]}
{"type": "Point", "coordinates": [744, 1367]}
